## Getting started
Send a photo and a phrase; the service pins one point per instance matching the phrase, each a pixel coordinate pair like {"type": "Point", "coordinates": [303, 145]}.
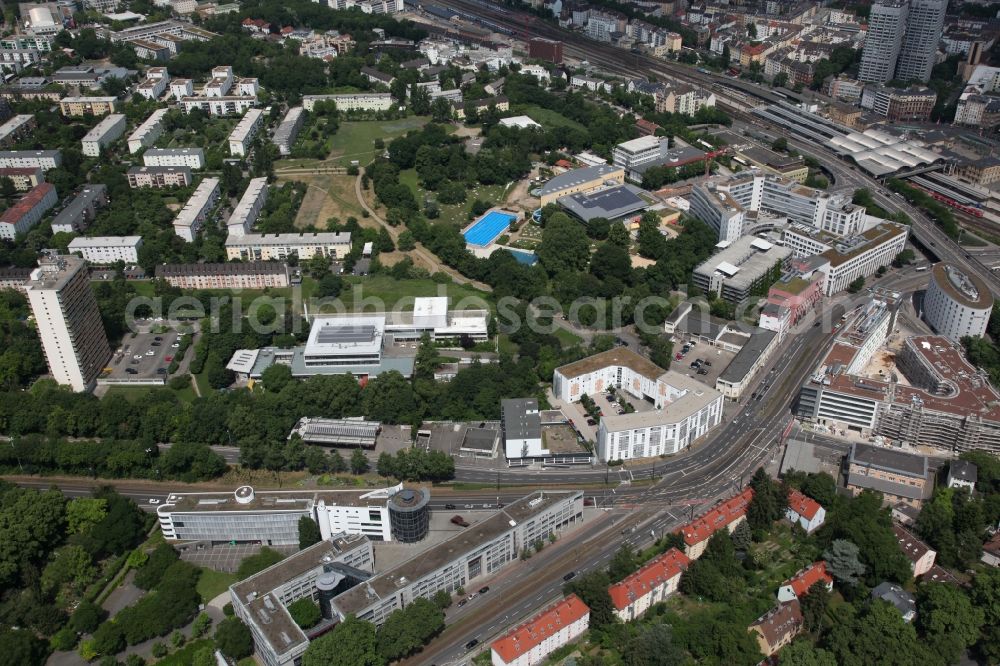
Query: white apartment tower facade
{"type": "Point", "coordinates": [886, 25]}
{"type": "Point", "coordinates": [924, 26]}
{"type": "Point", "coordinates": [69, 321]}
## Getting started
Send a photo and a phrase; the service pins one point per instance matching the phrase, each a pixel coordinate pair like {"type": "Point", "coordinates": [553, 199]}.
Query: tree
{"type": "Point", "coordinates": [780, 80]}
{"type": "Point", "coordinates": [256, 563]}
{"type": "Point", "coordinates": [947, 620]}
{"type": "Point", "coordinates": [83, 513]}
{"type": "Point", "coordinates": [564, 245]}
{"type": "Point", "coordinates": [442, 599]}
{"type": "Point", "coordinates": [309, 533]}
{"type": "Point", "coordinates": [842, 562]}
{"type": "Point", "coordinates": [359, 462]}
{"type": "Point", "coordinates": [406, 241]}
{"type": "Point", "coordinates": [814, 606]}
{"type": "Point", "coordinates": [876, 635]}
{"type": "Point", "coordinates": [856, 285]}
{"type": "Point", "coordinates": [276, 377]}
{"type": "Point", "coordinates": [87, 617]}
{"type": "Point", "coordinates": [769, 501]}
{"type": "Point", "coordinates": [802, 652]}
{"type": "Point", "coordinates": [985, 595]}
{"type": "Point", "coordinates": [234, 639]}
{"type": "Point", "coordinates": [742, 536]}
{"type": "Point", "coordinates": [623, 563]}
{"type": "Point", "coordinates": [780, 144]}
{"type": "Point", "coordinates": [151, 573]}
{"type": "Point", "coordinates": [592, 588]}
{"type": "Point", "coordinates": [351, 643]}
{"type": "Point", "coordinates": [329, 286]}
{"type": "Point", "coordinates": [405, 631]}
{"type": "Point", "coordinates": [305, 612]}
{"type": "Point", "coordinates": [653, 646]}
{"type": "Point", "coordinates": [19, 646]}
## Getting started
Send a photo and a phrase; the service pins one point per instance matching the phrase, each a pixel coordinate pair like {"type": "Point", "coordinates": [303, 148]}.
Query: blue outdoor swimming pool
{"type": "Point", "coordinates": [487, 228]}
{"type": "Point", "coordinates": [524, 257]}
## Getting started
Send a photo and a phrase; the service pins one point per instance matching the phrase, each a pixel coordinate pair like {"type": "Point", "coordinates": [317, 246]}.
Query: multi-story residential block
{"type": "Point", "coordinates": [30, 159]}
{"type": "Point", "coordinates": [248, 209]}
{"type": "Point", "coordinates": [193, 158]}
{"type": "Point", "coordinates": [230, 275]}
{"type": "Point", "coordinates": [532, 641]}
{"type": "Point", "coordinates": [87, 76]}
{"type": "Point", "coordinates": [920, 555]}
{"type": "Point", "coordinates": [68, 321]}
{"type": "Point", "coordinates": [957, 304]}
{"type": "Point", "coordinates": [886, 25]}
{"type": "Point", "coordinates": [284, 137]}
{"type": "Point", "coordinates": [180, 30]}
{"type": "Point", "coordinates": [918, 52]}
{"type": "Point", "coordinates": [545, 49]}
{"type": "Point", "coordinates": [725, 515]}
{"type": "Point", "coordinates": [844, 88]}
{"type": "Point", "coordinates": [982, 171]}
{"type": "Point", "coordinates": [82, 106]}
{"type": "Point", "coordinates": [230, 105]}
{"type": "Point", "coordinates": [804, 510]}
{"type": "Point", "coordinates": [367, 101]}
{"type": "Point", "coordinates": [146, 134]}
{"type": "Point", "coordinates": [16, 129]}
{"type": "Point", "coordinates": [15, 60]}
{"type": "Point", "coordinates": [158, 177]}
{"type": "Point", "coordinates": [277, 247]}
{"type": "Point", "coordinates": [245, 131]}
{"type": "Point", "coordinates": [157, 80]}
{"type": "Point", "coordinates": [80, 212]}
{"type": "Point", "coordinates": [24, 178]}
{"type": "Point", "coordinates": [27, 211]}
{"type": "Point", "coordinates": [778, 627]}
{"type": "Point", "coordinates": [685, 410]}
{"type": "Point", "coordinates": [899, 476]}
{"type": "Point", "coordinates": [192, 216]}
{"type": "Point", "coordinates": [103, 134]}
{"type": "Point", "coordinates": [181, 88]}
{"type": "Point", "coordinates": [106, 250]}
{"type": "Point", "coordinates": [652, 583]}
{"type": "Point", "coordinates": [149, 49]}
{"type": "Point", "coordinates": [13, 277]}
{"type": "Point", "coordinates": [798, 585]}
{"type": "Point", "coordinates": [220, 83]}
{"type": "Point", "coordinates": [745, 267]}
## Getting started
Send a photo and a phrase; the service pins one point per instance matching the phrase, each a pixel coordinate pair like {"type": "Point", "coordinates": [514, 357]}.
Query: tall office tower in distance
{"type": "Point", "coordinates": [924, 26]}
{"type": "Point", "coordinates": [68, 320]}
{"type": "Point", "coordinates": [886, 25]}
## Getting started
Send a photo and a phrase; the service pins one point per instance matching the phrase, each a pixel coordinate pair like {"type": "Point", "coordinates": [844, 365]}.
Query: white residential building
{"type": "Point", "coordinates": [804, 510]}
{"type": "Point", "coordinates": [106, 250]}
{"type": "Point", "coordinates": [230, 105]}
{"type": "Point", "coordinates": [269, 247]}
{"type": "Point", "coordinates": [284, 137]}
{"type": "Point", "coordinates": [248, 209]}
{"type": "Point", "coordinates": [194, 213]}
{"type": "Point", "coordinates": [684, 409]}
{"type": "Point", "coordinates": [957, 304]}
{"type": "Point", "coordinates": [181, 88]}
{"type": "Point", "coordinates": [68, 321]}
{"type": "Point", "coordinates": [27, 211]}
{"type": "Point", "coordinates": [366, 101]}
{"type": "Point", "coordinates": [193, 158]}
{"type": "Point", "coordinates": [243, 134]}
{"type": "Point", "coordinates": [17, 127]}
{"type": "Point", "coordinates": [220, 83]}
{"type": "Point", "coordinates": [103, 134]}
{"type": "Point", "coordinates": [33, 159]}
{"type": "Point", "coordinates": [146, 134]}
{"type": "Point", "coordinates": [157, 80]}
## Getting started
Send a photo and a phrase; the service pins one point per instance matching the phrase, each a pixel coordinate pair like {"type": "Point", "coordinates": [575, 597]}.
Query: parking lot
{"type": "Point", "coordinates": [719, 359]}
{"type": "Point", "coordinates": [144, 356]}
{"type": "Point", "coordinates": [222, 557]}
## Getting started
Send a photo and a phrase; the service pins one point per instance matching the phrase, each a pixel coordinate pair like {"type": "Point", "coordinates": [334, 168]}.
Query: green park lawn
{"type": "Point", "coordinates": [550, 119]}
{"type": "Point", "coordinates": [457, 214]}
{"type": "Point", "coordinates": [385, 289]}
{"type": "Point", "coordinates": [137, 393]}
{"type": "Point", "coordinates": [355, 139]}
{"type": "Point", "coordinates": [213, 583]}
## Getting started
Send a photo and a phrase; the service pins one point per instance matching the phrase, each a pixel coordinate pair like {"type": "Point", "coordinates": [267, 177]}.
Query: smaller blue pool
{"type": "Point", "coordinates": [486, 229]}
{"type": "Point", "coordinates": [524, 257]}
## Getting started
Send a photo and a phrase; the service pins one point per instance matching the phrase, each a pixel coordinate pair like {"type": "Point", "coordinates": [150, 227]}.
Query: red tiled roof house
{"type": "Point", "coordinates": [727, 515]}
{"type": "Point", "coordinates": [800, 583]}
{"type": "Point", "coordinates": [654, 582]}
{"type": "Point", "coordinates": [531, 642]}
{"type": "Point", "coordinates": [805, 511]}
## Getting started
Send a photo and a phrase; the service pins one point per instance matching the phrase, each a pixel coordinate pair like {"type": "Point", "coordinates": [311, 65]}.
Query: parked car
{"type": "Point", "coordinates": [471, 644]}
{"type": "Point", "coordinates": [450, 507]}
{"type": "Point", "coordinates": [175, 345]}
{"type": "Point", "coordinates": [154, 501]}
{"type": "Point", "coordinates": [570, 576]}
{"type": "Point", "coordinates": [137, 356]}
{"type": "Point", "coordinates": [168, 359]}
{"type": "Point", "coordinates": [161, 371]}
{"type": "Point", "coordinates": [151, 353]}
{"type": "Point", "coordinates": [462, 602]}
{"type": "Point", "coordinates": [708, 364]}
{"type": "Point", "coordinates": [158, 338]}
{"type": "Point", "coordinates": [458, 520]}
{"type": "Point", "coordinates": [131, 371]}
{"type": "Point", "coordinates": [484, 589]}
{"type": "Point", "coordinates": [702, 371]}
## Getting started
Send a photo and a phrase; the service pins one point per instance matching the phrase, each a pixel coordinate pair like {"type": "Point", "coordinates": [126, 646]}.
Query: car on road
{"type": "Point", "coordinates": [131, 371]}
{"type": "Point", "coordinates": [570, 576]}
{"type": "Point", "coordinates": [591, 422]}
{"type": "Point", "coordinates": [168, 359]}
{"type": "Point", "coordinates": [469, 506]}
{"type": "Point", "coordinates": [471, 644]}
{"type": "Point", "coordinates": [158, 338]}
{"type": "Point", "coordinates": [462, 602]}
{"type": "Point", "coordinates": [449, 507]}
{"type": "Point", "coordinates": [484, 589]}
{"type": "Point", "coordinates": [137, 356]}
{"type": "Point", "coordinates": [175, 345]}
{"type": "Point", "coordinates": [154, 501]}
{"type": "Point", "coordinates": [161, 371]}
{"type": "Point", "coordinates": [151, 353]}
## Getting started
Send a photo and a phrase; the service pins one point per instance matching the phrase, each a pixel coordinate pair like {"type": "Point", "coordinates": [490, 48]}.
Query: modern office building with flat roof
{"type": "Point", "coordinates": [743, 268]}
{"type": "Point", "coordinates": [68, 321]}
{"type": "Point", "coordinates": [582, 180]}
{"type": "Point", "coordinates": [272, 517]}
